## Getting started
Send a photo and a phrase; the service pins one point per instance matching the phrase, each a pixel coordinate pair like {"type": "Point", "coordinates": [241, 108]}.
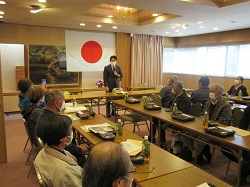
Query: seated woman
{"type": "Point", "coordinates": [234, 90]}
{"type": "Point", "coordinates": [24, 85]}
{"type": "Point", "coordinates": [31, 111]}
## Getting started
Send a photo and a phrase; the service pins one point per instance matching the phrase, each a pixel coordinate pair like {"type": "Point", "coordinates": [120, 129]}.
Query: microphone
{"type": "Point", "coordinates": [114, 69]}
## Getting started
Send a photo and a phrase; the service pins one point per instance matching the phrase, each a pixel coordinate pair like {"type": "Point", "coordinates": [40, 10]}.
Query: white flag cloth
{"type": "Point", "coordinates": [88, 51]}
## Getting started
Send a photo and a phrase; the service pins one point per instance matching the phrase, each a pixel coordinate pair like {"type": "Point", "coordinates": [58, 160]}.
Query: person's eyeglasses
{"type": "Point", "coordinates": [135, 170]}
{"type": "Point", "coordinates": [132, 179]}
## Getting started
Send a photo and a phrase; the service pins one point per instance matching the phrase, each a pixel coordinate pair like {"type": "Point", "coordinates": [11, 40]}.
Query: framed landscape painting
{"type": "Point", "coordinates": [49, 62]}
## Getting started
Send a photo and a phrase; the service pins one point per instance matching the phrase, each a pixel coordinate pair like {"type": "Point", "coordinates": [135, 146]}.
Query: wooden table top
{"type": "Point", "coordinates": [78, 90]}
{"type": "Point", "coordinates": [129, 88]}
{"type": "Point", "coordinates": [163, 161]}
{"type": "Point", "coordinates": [237, 100]}
{"type": "Point", "coordinates": [238, 142]}
{"type": "Point", "coordinates": [101, 94]}
{"type": "Point", "coordinates": [189, 177]}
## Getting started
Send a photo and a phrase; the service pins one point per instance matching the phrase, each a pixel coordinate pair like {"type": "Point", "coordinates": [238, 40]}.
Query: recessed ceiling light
{"type": "Point", "coordinates": [82, 24]}
{"type": "Point", "coordinates": [215, 28]}
{"type": "Point", "coordinates": [98, 25]}
{"type": "Point", "coordinates": [2, 2]}
{"type": "Point", "coordinates": [201, 27]}
{"type": "Point", "coordinates": [1, 12]}
{"type": "Point", "coordinates": [1, 16]}
{"type": "Point", "coordinates": [114, 27]}
{"type": "Point", "coordinates": [42, 1]}
{"type": "Point", "coordinates": [172, 27]}
{"type": "Point", "coordinates": [110, 16]}
{"type": "Point", "coordinates": [177, 31]}
{"type": "Point", "coordinates": [180, 33]}
{"type": "Point", "coordinates": [199, 22]}
{"type": "Point", "coordinates": [167, 32]}
{"type": "Point", "coordinates": [154, 15]}
{"type": "Point", "coordinates": [184, 26]}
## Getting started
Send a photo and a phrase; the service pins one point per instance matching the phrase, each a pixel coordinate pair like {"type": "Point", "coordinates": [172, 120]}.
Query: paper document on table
{"type": "Point", "coordinates": [132, 146]}
{"type": "Point", "coordinates": [72, 117]}
{"type": "Point", "coordinates": [238, 131]}
{"type": "Point", "coordinates": [86, 128]}
{"type": "Point", "coordinates": [204, 185]}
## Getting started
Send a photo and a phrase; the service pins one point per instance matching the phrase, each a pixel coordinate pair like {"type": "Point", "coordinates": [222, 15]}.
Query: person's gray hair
{"type": "Point", "coordinates": [219, 88]}
{"type": "Point", "coordinates": [178, 84]}
{"type": "Point", "coordinates": [174, 78]}
{"type": "Point", "coordinates": [106, 163]}
{"type": "Point", "coordinates": [53, 94]}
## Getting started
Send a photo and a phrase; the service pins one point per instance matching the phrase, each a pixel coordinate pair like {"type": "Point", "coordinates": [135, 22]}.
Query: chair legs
{"type": "Point", "coordinates": [28, 159]}
{"type": "Point", "coordinates": [228, 167]}
{"type": "Point", "coordinates": [25, 144]}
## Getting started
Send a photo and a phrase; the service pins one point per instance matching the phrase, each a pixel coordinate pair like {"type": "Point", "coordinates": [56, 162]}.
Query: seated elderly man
{"type": "Point", "coordinates": [201, 95]}
{"type": "Point", "coordinates": [167, 96]}
{"type": "Point", "coordinates": [55, 104]}
{"type": "Point", "coordinates": [181, 99]}
{"type": "Point", "coordinates": [218, 110]}
{"type": "Point", "coordinates": [108, 165]}
{"type": "Point", "coordinates": [234, 90]}
{"type": "Point", "coordinates": [56, 165]}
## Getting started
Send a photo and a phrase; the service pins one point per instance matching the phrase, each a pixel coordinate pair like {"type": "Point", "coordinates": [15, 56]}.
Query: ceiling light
{"type": "Point", "coordinates": [199, 22]}
{"type": "Point", "coordinates": [82, 24]}
{"type": "Point", "coordinates": [172, 27]}
{"type": "Point", "coordinates": [2, 2]}
{"type": "Point", "coordinates": [110, 16]}
{"type": "Point", "coordinates": [154, 15]}
{"type": "Point", "coordinates": [215, 28]}
{"type": "Point", "coordinates": [42, 1]}
{"type": "Point", "coordinates": [201, 27]}
{"type": "Point", "coordinates": [223, 1]}
{"type": "Point", "coordinates": [1, 12]}
{"type": "Point", "coordinates": [114, 27]}
{"type": "Point", "coordinates": [98, 25]}
{"type": "Point", "coordinates": [167, 32]}
{"type": "Point", "coordinates": [177, 31]}
{"type": "Point", "coordinates": [1, 16]}
{"type": "Point", "coordinates": [36, 8]}
{"type": "Point", "coordinates": [180, 33]}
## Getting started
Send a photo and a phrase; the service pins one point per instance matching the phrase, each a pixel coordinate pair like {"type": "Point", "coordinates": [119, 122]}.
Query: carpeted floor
{"type": "Point", "coordinates": [14, 172]}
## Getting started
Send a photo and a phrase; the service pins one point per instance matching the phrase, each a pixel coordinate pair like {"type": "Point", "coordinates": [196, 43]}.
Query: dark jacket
{"type": "Point", "coordinates": [183, 102]}
{"type": "Point", "coordinates": [111, 80]}
{"type": "Point", "coordinates": [222, 112]}
{"type": "Point", "coordinates": [30, 113]}
{"type": "Point", "coordinates": [167, 96]}
{"type": "Point", "coordinates": [201, 95]}
{"type": "Point", "coordinates": [233, 91]}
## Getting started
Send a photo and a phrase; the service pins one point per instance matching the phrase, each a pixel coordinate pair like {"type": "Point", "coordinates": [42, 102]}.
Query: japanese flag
{"type": "Point", "coordinates": [87, 51]}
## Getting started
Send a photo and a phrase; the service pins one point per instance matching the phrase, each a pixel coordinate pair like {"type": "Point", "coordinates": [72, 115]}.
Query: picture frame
{"type": "Point", "coordinates": [49, 62]}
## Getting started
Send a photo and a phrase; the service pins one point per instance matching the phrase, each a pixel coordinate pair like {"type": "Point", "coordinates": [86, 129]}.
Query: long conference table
{"type": "Point", "coordinates": [169, 170]}
{"type": "Point", "coordinates": [108, 96]}
{"type": "Point", "coordinates": [236, 144]}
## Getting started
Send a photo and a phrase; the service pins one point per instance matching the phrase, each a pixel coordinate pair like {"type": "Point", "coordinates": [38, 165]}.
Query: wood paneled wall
{"type": "Point", "coordinates": [123, 52]}
{"type": "Point", "coordinates": [219, 38]}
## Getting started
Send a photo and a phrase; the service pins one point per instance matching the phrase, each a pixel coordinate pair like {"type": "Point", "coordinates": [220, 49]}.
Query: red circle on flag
{"type": "Point", "coordinates": [91, 52]}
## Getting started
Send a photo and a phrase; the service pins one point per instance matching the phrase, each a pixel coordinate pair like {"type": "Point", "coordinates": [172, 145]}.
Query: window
{"type": "Point", "coordinates": [223, 61]}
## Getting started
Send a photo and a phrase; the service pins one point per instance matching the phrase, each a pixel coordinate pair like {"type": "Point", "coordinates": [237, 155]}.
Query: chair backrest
{"type": "Point", "coordinates": [39, 177]}
{"type": "Point", "coordinates": [237, 115]}
{"type": "Point", "coordinates": [142, 84]}
{"type": "Point", "coordinates": [158, 87]}
{"type": "Point", "coordinates": [195, 109]}
{"type": "Point", "coordinates": [156, 99]}
{"type": "Point", "coordinates": [31, 134]}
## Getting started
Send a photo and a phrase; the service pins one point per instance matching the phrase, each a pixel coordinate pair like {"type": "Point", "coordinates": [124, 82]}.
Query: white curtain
{"type": "Point", "coordinates": [146, 62]}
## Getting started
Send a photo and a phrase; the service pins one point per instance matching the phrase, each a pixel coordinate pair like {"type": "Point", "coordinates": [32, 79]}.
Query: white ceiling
{"type": "Point", "coordinates": [70, 13]}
